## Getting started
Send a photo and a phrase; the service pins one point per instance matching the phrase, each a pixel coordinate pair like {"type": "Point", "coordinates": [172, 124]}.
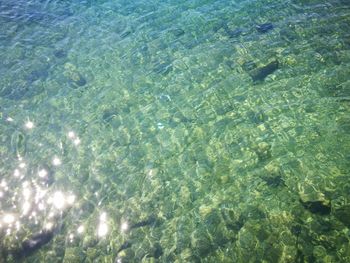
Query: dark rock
{"type": "Point", "coordinates": [249, 65]}
{"type": "Point", "coordinates": [263, 28]}
{"type": "Point", "coordinates": [34, 243]}
{"type": "Point", "coordinates": [164, 98]}
{"type": "Point", "coordinates": [75, 77]}
{"type": "Point", "coordinates": [151, 221]}
{"type": "Point", "coordinates": [343, 214]}
{"type": "Point", "coordinates": [37, 74]}
{"type": "Point", "coordinates": [60, 53]}
{"type": "Point", "coordinates": [252, 212]}
{"type": "Point", "coordinates": [125, 33]}
{"type": "Point", "coordinates": [273, 180]}
{"type": "Point", "coordinates": [232, 219]}
{"type": "Point", "coordinates": [81, 81]}
{"type": "Point", "coordinates": [263, 151]}
{"type": "Point", "coordinates": [240, 98]}
{"type": "Point", "coordinates": [109, 114]}
{"type": "Point", "coordinates": [177, 32]}
{"type": "Point", "coordinates": [259, 74]}
{"type": "Point", "coordinates": [125, 245]}
{"type": "Point", "coordinates": [257, 117]}
{"type": "Point", "coordinates": [156, 251]}
{"type": "Point", "coordinates": [203, 243]}
{"type": "Point", "coordinates": [19, 143]}
{"type": "Point", "coordinates": [234, 33]}
{"type": "Point", "coordinates": [296, 230]}
{"type": "Point", "coordinates": [317, 207]}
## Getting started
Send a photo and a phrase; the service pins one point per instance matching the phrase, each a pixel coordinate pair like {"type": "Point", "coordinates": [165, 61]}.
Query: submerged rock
{"type": "Point", "coordinates": [259, 74]}
{"type": "Point", "coordinates": [257, 117]}
{"type": "Point", "coordinates": [263, 151]}
{"type": "Point", "coordinates": [125, 245]}
{"type": "Point", "coordinates": [296, 230]}
{"type": "Point", "coordinates": [317, 207]}
{"type": "Point", "coordinates": [343, 214]}
{"type": "Point", "coordinates": [273, 180]}
{"type": "Point", "coordinates": [263, 28]}
{"type": "Point", "coordinates": [233, 33]}
{"type": "Point", "coordinates": [60, 53]}
{"type": "Point", "coordinates": [34, 243]}
{"type": "Point", "coordinates": [315, 202]}
{"type": "Point", "coordinates": [109, 114]}
{"type": "Point", "coordinates": [18, 143]}
{"type": "Point", "coordinates": [156, 251]}
{"type": "Point", "coordinates": [79, 80]}
{"type": "Point", "coordinates": [125, 33]}
{"type": "Point", "coordinates": [249, 65]}
{"type": "Point", "coordinates": [177, 32]}
{"type": "Point", "coordinates": [37, 74]}
{"type": "Point", "coordinates": [151, 221]}
{"type": "Point", "coordinates": [72, 73]}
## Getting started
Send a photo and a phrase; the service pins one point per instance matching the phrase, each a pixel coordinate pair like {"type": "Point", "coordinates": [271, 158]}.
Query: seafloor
{"type": "Point", "coordinates": [174, 131]}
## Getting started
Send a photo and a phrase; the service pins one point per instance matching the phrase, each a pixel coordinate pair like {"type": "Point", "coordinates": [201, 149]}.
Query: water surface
{"type": "Point", "coordinates": [174, 131]}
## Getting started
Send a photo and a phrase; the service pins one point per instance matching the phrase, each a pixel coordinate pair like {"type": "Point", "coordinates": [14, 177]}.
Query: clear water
{"type": "Point", "coordinates": [175, 131]}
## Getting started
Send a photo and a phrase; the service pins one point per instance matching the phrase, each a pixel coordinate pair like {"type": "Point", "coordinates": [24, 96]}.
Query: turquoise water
{"type": "Point", "coordinates": [174, 131]}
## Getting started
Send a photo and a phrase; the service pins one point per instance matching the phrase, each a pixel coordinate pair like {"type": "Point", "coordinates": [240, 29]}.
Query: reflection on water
{"type": "Point", "coordinates": [174, 131]}
{"type": "Point", "coordinates": [29, 200]}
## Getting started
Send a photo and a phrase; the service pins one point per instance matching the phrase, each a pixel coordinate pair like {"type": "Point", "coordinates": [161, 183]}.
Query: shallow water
{"type": "Point", "coordinates": [174, 131]}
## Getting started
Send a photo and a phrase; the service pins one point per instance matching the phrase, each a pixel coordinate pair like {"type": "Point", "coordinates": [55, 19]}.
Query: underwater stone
{"type": "Point", "coordinates": [234, 33]}
{"type": "Point", "coordinates": [257, 117]}
{"type": "Point", "coordinates": [314, 200]}
{"type": "Point", "coordinates": [125, 33]}
{"type": "Point", "coordinates": [343, 214]}
{"type": "Point", "coordinates": [232, 221]}
{"type": "Point", "coordinates": [151, 221]}
{"type": "Point", "coordinates": [249, 65]}
{"type": "Point", "coordinates": [157, 251]}
{"type": "Point", "coordinates": [18, 143]}
{"type": "Point", "coordinates": [37, 74]}
{"type": "Point", "coordinates": [263, 151]}
{"type": "Point", "coordinates": [177, 32]}
{"type": "Point", "coordinates": [322, 207]}
{"type": "Point", "coordinates": [263, 28]}
{"type": "Point", "coordinates": [273, 180]}
{"type": "Point", "coordinates": [81, 81]}
{"type": "Point", "coordinates": [34, 243]}
{"type": "Point", "coordinates": [259, 74]}
{"type": "Point", "coordinates": [125, 245]}
{"type": "Point", "coordinates": [72, 73]}
{"type": "Point", "coordinates": [60, 53]}
{"type": "Point", "coordinates": [77, 79]}
{"type": "Point", "coordinates": [109, 114]}
{"type": "Point", "coordinates": [296, 230]}
{"type": "Point", "coordinates": [202, 242]}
